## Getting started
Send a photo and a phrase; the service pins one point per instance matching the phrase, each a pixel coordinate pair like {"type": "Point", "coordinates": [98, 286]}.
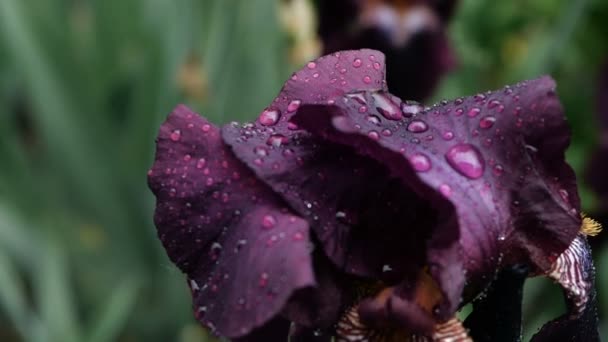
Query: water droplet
{"type": "Point", "coordinates": [359, 97]}
{"type": "Point", "coordinates": [357, 63]}
{"type": "Point", "coordinates": [293, 106]}
{"type": "Point", "coordinates": [473, 112]}
{"type": "Point", "coordinates": [448, 135]}
{"type": "Point", "coordinates": [292, 126]}
{"type": "Point", "coordinates": [410, 109]}
{"type": "Point", "coordinates": [458, 112]}
{"type": "Point", "coordinates": [487, 122]}
{"type": "Point", "coordinates": [564, 194]}
{"type": "Point", "coordinates": [493, 104]}
{"type": "Point", "coordinates": [386, 107]}
{"type": "Point", "coordinates": [420, 162]}
{"type": "Point", "coordinates": [373, 135]}
{"type": "Point", "coordinates": [206, 128]}
{"type": "Point", "coordinates": [269, 117]}
{"type": "Point", "coordinates": [498, 169]}
{"type": "Point", "coordinates": [260, 151]}
{"type": "Point", "coordinates": [373, 119]}
{"type": "Point", "coordinates": [367, 80]}
{"type": "Point", "coordinates": [479, 97]}
{"type": "Point", "coordinates": [263, 279]}
{"type": "Point", "coordinates": [276, 140]}
{"type": "Point", "coordinates": [362, 109]}
{"type": "Point", "coordinates": [458, 101]}
{"type": "Point", "coordinates": [466, 160]}
{"type": "Point", "coordinates": [386, 268]}
{"type": "Point", "coordinates": [445, 190]}
{"type": "Point", "coordinates": [187, 158]}
{"type": "Point", "coordinates": [311, 65]}
{"type": "Point", "coordinates": [377, 66]}
{"type": "Point", "coordinates": [387, 132]}
{"type": "Point", "coordinates": [176, 135]}
{"type": "Point", "coordinates": [417, 126]}
{"type": "Point", "coordinates": [268, 221]}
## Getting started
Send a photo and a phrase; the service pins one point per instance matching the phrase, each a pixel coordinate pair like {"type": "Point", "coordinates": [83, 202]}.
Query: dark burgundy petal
{"type": "Point", "coordinates": [494, 161]}
{"type": "Point", "coordinates": [275, 330]}
{"type": "Point", "coordinates": [497, 315]}
{"type": "Point", "coordinates": [357, 210]}
{"type": "Point", "coordinates": [576, 326]}
{"type": "Point", "coordinates": [242, 249]}
{"type": "Point", "coordinates": [412, 36]}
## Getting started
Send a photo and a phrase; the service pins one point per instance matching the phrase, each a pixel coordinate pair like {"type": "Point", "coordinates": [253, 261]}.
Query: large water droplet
{"type": "Point", "coordinates": [417, 126]}
{"type": "Point", "coordinates": [359, 97]}
{"type": "Point", "coordinates": [467, 160]}
{"type": "Point", "coordinates": [386, 107]}
{"type": "Point", "coordinates": [445, 190]}
{"type": "Point", "coordinates": [420, 162]}
{"type": "Point", "coordinates": [269, 117]}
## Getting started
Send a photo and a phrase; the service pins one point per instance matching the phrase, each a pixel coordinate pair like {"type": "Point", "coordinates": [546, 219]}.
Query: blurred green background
{"type": "Point", "coordinates": [85, 84]}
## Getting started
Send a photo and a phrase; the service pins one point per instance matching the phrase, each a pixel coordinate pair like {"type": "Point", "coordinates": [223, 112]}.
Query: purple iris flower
{"type": "Point", "coordinates": [346, 212]}
{"type": "Point", "coordinates": [411, 33]}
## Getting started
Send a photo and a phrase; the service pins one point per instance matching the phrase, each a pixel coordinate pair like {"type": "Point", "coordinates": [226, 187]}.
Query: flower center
{"type": "Point", "coordinates": [426, 294]}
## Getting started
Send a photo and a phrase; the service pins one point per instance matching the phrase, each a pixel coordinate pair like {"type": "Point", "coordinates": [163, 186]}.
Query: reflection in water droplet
{"type": "Point", "coordinates": [466, 160]}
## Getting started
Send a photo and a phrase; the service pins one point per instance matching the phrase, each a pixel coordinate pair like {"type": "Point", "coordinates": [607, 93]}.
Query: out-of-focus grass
{"type": "Point", "coordinates": [84, 85]}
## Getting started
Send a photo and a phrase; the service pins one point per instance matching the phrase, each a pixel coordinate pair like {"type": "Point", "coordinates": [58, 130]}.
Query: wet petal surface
{"type": "Point", "coordinates": [357, 210]}
{"type": "Point", "coordinates": [504, 179]}
{"type": "Point", "coordinates": [244, 252]}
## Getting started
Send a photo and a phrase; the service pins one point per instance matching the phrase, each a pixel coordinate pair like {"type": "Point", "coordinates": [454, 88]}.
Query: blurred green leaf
{"type": "Point", "coordinates": [115, 312]}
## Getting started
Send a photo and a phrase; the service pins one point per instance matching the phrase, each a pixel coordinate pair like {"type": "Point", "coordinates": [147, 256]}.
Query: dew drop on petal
{"type": "Point", "coordinates": [373, 135]}
{"type": "Point", "coordinates": [420, 162]}
{"type": "Point", "coordinates": [466, 160]}
{"type": "Point", "coordinates": [276, 140]}
{"type": "Point", "coordinates": [373, 119]}
{"type": "Point", "coordinates": [473, 112]}
{"type": "Point", "coordinates": [487, 122]}
{"type": "Point", "coordinates": [176, 135]}
{"type": "Point", "coordinates": [269, 117]}
{"type": "Point", "coordinates": [417, 126]}
{"type": "Point", "coordinates": [311, 65]}
{"type": "Point", "coordinates": [445, 190]}
{"type": "Point", "coordinates": [410, 109]}
{"type": "Point", "coordinates": [260, 151]}
{"type": "Point", "coordinates": [498, 170]}
{"type": "Point", "coordinates": [268, 221]}
{"type": "Point", "coordinates": [386, 107]}
{"type": "Point", "coordinates": [448, 135]}
{"type": "Point", "coordinates": [367, 80]}
{"type": "Point", "coordinates": [293, 106]}
{"type": "Point", "coordinates": [357, 63]}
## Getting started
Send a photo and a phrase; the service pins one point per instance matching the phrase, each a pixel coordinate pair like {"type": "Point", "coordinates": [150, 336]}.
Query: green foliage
{"type": "Point", "coordinates": [84, 86]}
